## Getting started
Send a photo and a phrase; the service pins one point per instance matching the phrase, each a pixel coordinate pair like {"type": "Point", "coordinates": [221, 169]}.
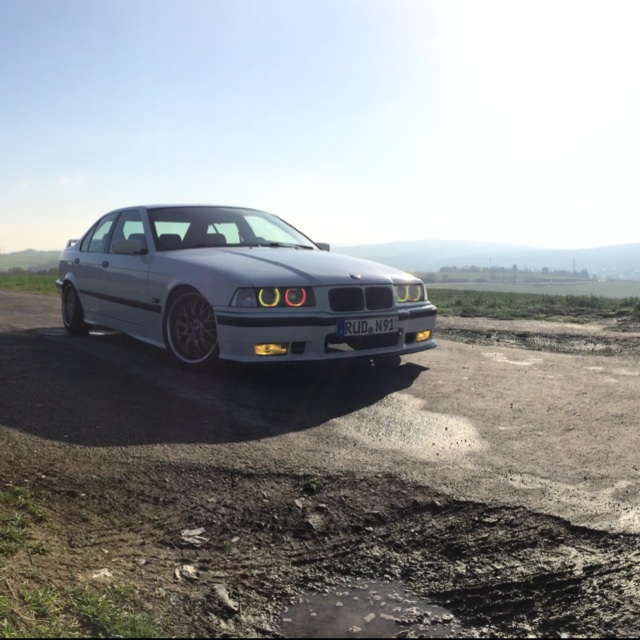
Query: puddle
{"type": "Point", "coordinates": [367, 610]}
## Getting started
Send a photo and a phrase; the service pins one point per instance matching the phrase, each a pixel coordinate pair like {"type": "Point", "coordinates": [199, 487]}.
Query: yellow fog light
{"type": "Point", "coordinates": [271, 349]}
{"type": "Point", "coordinates": [421, 336]}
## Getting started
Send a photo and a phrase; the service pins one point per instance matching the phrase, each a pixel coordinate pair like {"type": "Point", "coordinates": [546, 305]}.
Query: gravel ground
{"type": "Point", "coordinates": [488, 488]}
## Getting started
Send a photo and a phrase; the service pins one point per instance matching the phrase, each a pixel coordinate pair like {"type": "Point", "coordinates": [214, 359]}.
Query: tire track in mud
{"type": "Point", "coordinates": [557, 343]}
{"type": "Point", "coordinates": [505, 571]}
{"type": "Point", "coordinates": [502, 571]}
{"type": "Point", "coordinates": [585, 344]}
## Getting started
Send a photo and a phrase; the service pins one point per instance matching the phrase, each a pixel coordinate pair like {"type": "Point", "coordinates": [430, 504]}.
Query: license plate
{"type": "Point", "coordinates": [366, 326]}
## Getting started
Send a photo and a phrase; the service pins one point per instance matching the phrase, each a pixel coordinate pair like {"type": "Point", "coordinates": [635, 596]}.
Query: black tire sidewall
{"type": "Point", "coordinates": [76, 323]}
{"type": "Point", "coordinates": [209, 361]}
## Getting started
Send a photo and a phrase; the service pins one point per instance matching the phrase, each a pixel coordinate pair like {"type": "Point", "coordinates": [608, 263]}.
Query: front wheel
{"type": "Point", "coordinates": [190, 329]}
{"type": "Point", "coordinates": [72, 314]}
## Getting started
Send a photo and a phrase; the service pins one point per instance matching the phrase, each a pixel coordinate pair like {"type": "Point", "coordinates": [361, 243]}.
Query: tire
{"type": "Point", "coordinates": [72, 313]}
{"type": "Point", "coordinates": [190, 330]}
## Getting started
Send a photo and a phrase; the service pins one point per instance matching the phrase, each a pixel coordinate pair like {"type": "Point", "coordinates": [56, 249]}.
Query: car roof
{"type": "Point", "coordinates": [187, 204]}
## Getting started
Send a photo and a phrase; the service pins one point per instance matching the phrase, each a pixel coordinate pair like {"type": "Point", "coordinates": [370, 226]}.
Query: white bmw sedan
{"type": "Point", "coordinates": [213, 282]}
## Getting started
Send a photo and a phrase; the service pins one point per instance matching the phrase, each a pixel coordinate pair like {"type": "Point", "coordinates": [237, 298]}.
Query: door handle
{"type": "Point", "coordinates": [104, 264]}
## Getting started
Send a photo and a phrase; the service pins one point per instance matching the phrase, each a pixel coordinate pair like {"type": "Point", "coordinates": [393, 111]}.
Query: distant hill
{"type": "Point", "coordinates": [29, 260]}
{"type": "Point", "coordinates": [619, 261]}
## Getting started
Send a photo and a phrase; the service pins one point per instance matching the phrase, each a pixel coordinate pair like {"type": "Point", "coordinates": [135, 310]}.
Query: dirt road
{"type": "Point", "coordinates": [502, 483]}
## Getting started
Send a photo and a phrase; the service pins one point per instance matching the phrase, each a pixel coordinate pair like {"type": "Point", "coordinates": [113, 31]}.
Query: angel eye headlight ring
{"type": "Point", "coordinates": [284, 297]}
{"type": "Point", "coordinates": [269, 297]}
{"type": "Point", "coordinates": [414, 292]}
{"type": "Point", "coordinates": [295, 297]}
{"type": "Point", "coordinates": [409, 293]}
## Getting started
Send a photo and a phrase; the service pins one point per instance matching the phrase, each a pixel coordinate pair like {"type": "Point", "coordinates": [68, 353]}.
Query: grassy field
{"type": "Point", "coordinates": [29, 283]}
{"type": "Point", "coordinates": [508, 305]}
{"type": "Point", "coordinates": [32, 607]}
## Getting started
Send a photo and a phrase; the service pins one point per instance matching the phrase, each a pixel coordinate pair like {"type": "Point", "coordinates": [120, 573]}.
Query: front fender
{"type": "Point", "coordinates": [68, 277]}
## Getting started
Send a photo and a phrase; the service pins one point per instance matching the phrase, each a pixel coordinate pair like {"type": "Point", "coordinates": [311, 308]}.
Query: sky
{"type": "Point", "coordinates": [358, 121]}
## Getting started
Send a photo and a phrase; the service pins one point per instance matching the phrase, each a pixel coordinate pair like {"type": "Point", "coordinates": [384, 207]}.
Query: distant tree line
{"type": "Point", "coordinates": [19, 271]}
{"type": "Point", "coordinates": [496, 269]}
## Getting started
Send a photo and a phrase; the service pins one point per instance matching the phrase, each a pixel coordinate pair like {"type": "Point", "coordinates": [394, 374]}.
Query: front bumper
{"type": "Point", "coordinates": [313, 337]}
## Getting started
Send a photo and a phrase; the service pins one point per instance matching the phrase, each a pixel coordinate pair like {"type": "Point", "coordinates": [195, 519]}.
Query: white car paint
{"type": "Point", "coordinates": [130, 292]}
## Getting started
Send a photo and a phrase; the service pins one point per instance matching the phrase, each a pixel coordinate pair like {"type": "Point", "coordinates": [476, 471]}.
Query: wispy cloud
{"type": "Point", "coordinates": [69, 181]}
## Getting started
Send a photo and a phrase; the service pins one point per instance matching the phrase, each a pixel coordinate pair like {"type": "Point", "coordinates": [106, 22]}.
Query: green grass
{"type": "Point", "coordinates": [101, 612]}
{"type": "Point", "coordinates": [43, 611]}
{"type": "Point", "coordinates": [536, 306]}
{"type": "Point", "coordinates": [45, 284]}
{"type": "Point", "coordinates": [18, 501]}
{"type": "Point", "coordinates": [78, 612]}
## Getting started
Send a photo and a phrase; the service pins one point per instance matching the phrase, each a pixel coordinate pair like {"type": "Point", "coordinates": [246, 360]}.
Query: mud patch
{"type": "Point", "coordinates": [586, 343]}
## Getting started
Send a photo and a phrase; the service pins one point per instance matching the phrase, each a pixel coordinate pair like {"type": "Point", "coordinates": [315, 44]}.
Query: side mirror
{"type": "Point", "coordinates": [130, 247]}
{"type": "Point", "coordinates": [325, 246]}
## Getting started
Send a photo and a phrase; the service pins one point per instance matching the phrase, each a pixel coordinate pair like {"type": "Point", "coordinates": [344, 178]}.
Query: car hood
{"type": "Point", "coordinates": [263, 266]}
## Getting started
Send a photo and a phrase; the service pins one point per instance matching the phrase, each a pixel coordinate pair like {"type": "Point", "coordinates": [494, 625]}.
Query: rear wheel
{"type": "Point", "coordinates": [190, 329]}
{"type": "Point", "coordinates": [72, 314]}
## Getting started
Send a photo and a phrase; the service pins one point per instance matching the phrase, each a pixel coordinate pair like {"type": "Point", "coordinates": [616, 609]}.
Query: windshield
{"type": "Point", "coordinates": [193, 227]}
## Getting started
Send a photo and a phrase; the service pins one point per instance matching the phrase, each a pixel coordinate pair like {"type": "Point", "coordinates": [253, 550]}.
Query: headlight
{"type": "Point", "coordinates": [414, 292]}
{"type": "Point", "coordinates": [244, 298]}
{"type": "Point", "coordinates": [270, 297]}
{"type": "Point", "coordinates": [295, 297]}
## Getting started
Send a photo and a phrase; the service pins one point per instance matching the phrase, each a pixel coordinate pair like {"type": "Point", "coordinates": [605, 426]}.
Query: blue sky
{"type": "Point", "coordinates": [356, 120]}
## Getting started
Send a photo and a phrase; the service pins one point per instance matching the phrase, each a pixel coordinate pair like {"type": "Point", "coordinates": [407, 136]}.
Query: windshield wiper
{"type": "Point", "coordinates": [285, 244]}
